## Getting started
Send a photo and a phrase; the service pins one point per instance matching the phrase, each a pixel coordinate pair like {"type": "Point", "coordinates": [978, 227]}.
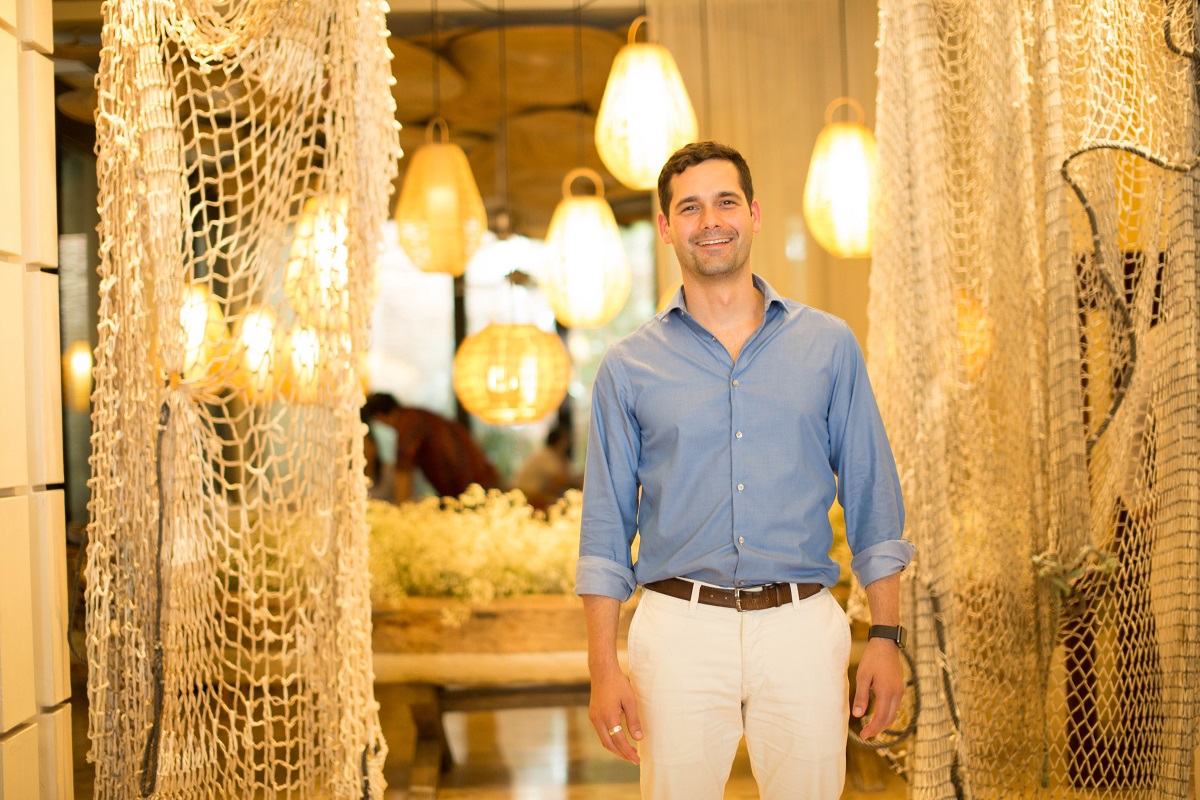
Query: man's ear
{"type": "Point", "coordinates": [756, 215]}
{"type": "Point", "coordinates": [664, 229]}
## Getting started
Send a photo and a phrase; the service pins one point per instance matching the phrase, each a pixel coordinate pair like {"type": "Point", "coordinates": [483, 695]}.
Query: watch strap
{"type": "Point", "coordinates": [894, 633]}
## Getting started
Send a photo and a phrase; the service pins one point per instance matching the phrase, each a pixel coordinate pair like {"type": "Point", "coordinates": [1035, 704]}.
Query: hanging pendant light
{"type": "Point", "coordinates": [586, 277]}
{"type": "Point", "coordinates": [511, 374]}
{"type": "Point", "coordinates": [440, 217]}
{"type": "Point", "coordinates": [839, 191]}
{"type": "Point", "coordinates": [317, 270]}
{"type": "Point", "coordinates": [254, 354]}
{"type": "Point", "coordinates": [645, 114]}
{"type": "Point", "coordinates": [203, 326]}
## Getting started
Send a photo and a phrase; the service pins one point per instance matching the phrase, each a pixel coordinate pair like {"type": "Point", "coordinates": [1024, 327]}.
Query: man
{"type": "Point", "coordinates": [441, 448]}
{"type": "Point", "coordinates": [721, 431]}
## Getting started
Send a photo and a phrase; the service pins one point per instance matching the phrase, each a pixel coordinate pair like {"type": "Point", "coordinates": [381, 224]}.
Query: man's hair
{"type": "Point", "coordinates": [378, 404]}
{"type": "Point", "coordinates": [695, 153]}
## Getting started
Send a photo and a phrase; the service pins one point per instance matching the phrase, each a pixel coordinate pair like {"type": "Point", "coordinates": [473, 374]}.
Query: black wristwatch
{"type": "Point", "coordinates": [895, 634]}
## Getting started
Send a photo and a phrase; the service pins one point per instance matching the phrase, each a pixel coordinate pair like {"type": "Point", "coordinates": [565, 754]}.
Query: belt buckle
{"type": "Point", "coordinates": [737, 599]}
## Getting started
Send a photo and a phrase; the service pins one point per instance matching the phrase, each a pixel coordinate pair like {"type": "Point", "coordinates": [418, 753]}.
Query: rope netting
{"type": "Point", "coordinates": [1034, 342]}
{"type": "Point", "coordinates": [245, 153]}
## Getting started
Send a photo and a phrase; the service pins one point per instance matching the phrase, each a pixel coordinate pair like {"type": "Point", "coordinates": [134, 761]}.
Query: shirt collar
{"type": "Point", "coordinates": [770, 298]}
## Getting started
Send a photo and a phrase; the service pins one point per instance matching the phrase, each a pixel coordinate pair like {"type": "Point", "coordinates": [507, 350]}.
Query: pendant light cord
{"type": "Point", "coordinates": [503, 135]}
{"type": "Point", "coordinates": [845, 55]}
{"type": "Point", "coordinates": [705, 81]}
{"type": "Point", "coordinates": [579, 80]}
{"type": "Point", "coordinates": [437, 61]}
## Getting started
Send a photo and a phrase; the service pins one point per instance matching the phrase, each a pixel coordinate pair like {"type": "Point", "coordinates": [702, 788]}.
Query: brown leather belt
{"type": "Point", "coordinates": [747, 598]}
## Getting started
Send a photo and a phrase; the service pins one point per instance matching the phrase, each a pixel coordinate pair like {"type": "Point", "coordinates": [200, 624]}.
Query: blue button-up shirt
{"type": "Point", "coordinates": [737, 463]}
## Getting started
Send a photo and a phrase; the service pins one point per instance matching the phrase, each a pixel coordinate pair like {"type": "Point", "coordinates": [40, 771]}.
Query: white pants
{"type": "Point", "coordinates": [704, 676]}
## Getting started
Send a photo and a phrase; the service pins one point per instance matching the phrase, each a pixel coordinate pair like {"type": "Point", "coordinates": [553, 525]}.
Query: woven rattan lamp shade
{"type": "Point", "coordinates": [203, 330]}
{"type": "Point", "coordinates": [511, 374]}
{"type": "Point", "coordinates": [839, 190]}
{"type": "Point", "coordinates": [440, 217]}
{"type": "Point", "coordinates": [315, 280]}
{"type": "Point", "coordinates": [645, 114]}
{"type": "Point", "coordinates": [586, 278]}
{"type": "Point", "coordinates": [255, 354]}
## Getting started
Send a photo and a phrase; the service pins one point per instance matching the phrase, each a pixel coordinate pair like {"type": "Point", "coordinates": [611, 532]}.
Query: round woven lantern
{"type": "Point", "coordinates": [440, 217]}
{"type": "Point", "coordinates": [645, 114]}
{"type": "Point", "coordinates": [586, 277]}
{"type": "Point", "coordinates": [317, 270]}
{"type": "Point", "coordinates": [839, 190]}
{"type": "Point", "coordinates": [511, 374]}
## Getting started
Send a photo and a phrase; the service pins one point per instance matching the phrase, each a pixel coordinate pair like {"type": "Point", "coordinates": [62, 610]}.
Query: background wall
{"type": "Point", "coordinates": [35, 716]}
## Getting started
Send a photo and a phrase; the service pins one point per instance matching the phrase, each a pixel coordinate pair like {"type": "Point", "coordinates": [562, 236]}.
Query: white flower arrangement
{"type": "Point", "coordinates": [476, 547]}
{"type": "Point", "coordinates": [488, 544]}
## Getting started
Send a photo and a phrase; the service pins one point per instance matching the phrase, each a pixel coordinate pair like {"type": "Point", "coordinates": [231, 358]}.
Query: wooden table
{"type": "Point", "coordinates": [515, 652]}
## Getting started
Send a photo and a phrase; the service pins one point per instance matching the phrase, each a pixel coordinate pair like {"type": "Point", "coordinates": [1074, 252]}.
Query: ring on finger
{"type": "Point", "coordinates": [614, 730]}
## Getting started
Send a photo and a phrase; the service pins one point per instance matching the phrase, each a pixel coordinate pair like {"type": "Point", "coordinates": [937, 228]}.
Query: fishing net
{"type": "Point", "coordinates": [245, 152]}
{"type": "Point", "coordinates": [1034, 342]}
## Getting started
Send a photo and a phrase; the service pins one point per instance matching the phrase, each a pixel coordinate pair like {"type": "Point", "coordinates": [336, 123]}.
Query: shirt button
{"type": "Point", "coordinates": [741, 540]}
{"type": "Point", "coordinates": [738, 434]}
{"type": "Point", "coordinates": [741, 486]}
{"type": "Point", "coordinates": [735, 383]}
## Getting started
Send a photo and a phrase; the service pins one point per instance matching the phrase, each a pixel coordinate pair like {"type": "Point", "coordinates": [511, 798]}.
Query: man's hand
{"type": "Point", "coordinates": [613, 704]}
{"type": "Point", "coordinates": [878, 674]}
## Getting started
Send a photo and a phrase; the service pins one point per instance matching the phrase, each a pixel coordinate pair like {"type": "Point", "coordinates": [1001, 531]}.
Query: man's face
{"type": "Point", "coordinates": [709, 223]}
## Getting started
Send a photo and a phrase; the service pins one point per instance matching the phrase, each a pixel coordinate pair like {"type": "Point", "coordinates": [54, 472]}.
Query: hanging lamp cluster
{"type": "Point", "coordinates": [510, 374]}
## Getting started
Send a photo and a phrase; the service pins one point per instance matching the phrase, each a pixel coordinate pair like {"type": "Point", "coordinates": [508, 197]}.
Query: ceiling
{"type": "Point", "coordinates": [524, 121]}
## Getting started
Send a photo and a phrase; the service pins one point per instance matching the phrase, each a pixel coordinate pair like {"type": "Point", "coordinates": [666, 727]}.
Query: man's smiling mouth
{"type": "Point", "coordinates": [712, 242]}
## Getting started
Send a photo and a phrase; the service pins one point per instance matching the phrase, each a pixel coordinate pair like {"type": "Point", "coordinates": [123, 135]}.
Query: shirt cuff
{"type": "Point", "coordinates": [881, 560]}
{"type": "Point", "coordinates": [595, 575]}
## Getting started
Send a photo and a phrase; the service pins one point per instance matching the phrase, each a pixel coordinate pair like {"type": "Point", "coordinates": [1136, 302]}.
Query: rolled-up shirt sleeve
{"type": "Point", "coordinates": [610, 490]}
{"type": "Point", "coordinates": [868, 484]}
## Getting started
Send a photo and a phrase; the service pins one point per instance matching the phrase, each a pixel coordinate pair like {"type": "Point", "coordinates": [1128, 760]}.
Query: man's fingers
{"type": "Point", "coordinates": [861, 696]}
{"type": "Point", "coordinates": [884, 716]}
{"type": "Point", "coordinates": [624, 748]}
{"type": "Point", "coordinates": [633, 722]}
{"type": "Point", "coordinates": [613, 737]}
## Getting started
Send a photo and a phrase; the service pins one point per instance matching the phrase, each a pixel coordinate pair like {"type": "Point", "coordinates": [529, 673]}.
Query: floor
{"type": "Point", "coordinates": [553, 754]}
{"type": "Point", "coordinates": [536, 754]}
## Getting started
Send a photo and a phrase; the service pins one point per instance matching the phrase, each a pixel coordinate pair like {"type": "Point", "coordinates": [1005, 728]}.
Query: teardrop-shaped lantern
{"type": "Point", "coordinates": [255, 354]}
{"type": "Point", "coordinates": [203, 329]}
{"type": "Point", "coordinates": [511, 374]}
{"type": "Point", "coordinates": [300, 367]}
{"type": "Point", "coordinates": [645, 114]}
{"type": "Point", "coordinates": [317, 270]}
{"type": "Point", "coordinates": [586, 277]}
{"type": "Point", "coordinates": [839, 191]}
{"type": "Point", "coordinates": [440, 217]}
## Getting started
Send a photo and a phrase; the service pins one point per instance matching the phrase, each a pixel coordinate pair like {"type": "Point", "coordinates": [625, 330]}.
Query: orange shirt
{"type": "Point", "coordinates": [443, 450]}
